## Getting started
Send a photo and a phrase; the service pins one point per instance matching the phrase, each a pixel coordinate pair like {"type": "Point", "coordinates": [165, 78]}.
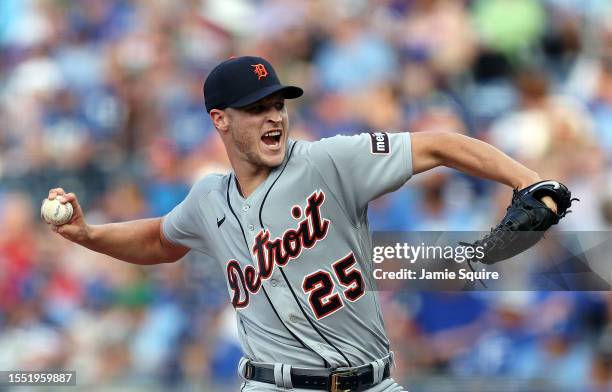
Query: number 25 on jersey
{"type": "Point", "coordinates": [320, 287]}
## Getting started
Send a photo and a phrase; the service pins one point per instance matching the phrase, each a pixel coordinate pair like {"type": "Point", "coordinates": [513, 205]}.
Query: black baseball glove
{"type": "Point", "coordinates": [526, 220]}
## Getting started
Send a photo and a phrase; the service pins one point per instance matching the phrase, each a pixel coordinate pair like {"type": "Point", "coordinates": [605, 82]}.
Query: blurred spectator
{"type": "Point", "coordinates": [353, 59]}
{"type": "Point", "coordinates": [511, 27]}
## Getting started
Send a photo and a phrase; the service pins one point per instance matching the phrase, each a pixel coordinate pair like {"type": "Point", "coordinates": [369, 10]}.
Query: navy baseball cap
{"type": "Point", "coordinates": [240, 81]}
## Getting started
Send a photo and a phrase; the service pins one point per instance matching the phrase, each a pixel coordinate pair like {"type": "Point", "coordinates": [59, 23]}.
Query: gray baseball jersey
{"type": "Point", "coordinates": [297, 252]}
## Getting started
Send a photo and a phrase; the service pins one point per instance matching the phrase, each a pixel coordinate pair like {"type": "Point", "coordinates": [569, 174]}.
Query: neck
{"type": "Point", "coordinates": [249, 177]}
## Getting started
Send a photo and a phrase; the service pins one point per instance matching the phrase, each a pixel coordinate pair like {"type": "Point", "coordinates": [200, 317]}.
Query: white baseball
{"type": "Point", "coordinates": [56, 213]}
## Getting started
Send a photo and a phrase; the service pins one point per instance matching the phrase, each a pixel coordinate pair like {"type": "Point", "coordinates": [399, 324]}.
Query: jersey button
{"type": "Point", "coordinates": [251, 227]}
{"type": "Point", "coordinates": [293, 318]}
{"type": "Point", "coordinates": [274, 282]}
{"type": "Point", "coordinates": [246, 207]}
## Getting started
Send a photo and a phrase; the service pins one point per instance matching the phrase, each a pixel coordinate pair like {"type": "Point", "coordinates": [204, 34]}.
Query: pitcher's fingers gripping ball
{"type": "Point", "coordinates": [56, 213]}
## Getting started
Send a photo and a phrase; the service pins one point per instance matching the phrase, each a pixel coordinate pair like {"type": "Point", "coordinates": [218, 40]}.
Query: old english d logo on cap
{"type": "Point", "coordinates": [260, 70]}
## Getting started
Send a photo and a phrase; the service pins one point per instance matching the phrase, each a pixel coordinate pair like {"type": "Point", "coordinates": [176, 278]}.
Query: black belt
{"type": "Point", "coordinates": [335, 380]}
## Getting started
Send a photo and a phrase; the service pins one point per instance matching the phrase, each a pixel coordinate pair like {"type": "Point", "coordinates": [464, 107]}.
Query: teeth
{"type": "Point", "coordinates": [272, 133]}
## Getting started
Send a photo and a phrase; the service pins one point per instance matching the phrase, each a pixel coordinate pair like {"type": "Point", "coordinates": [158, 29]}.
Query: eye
{"type": "Point", "coordinates": [279, 106]}
{"type": "Point", "coordinates": [256, 109]}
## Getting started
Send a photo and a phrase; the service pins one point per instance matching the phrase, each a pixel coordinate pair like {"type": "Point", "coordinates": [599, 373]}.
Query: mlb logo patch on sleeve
{"type": "Point", "coordinates": [380, 143]}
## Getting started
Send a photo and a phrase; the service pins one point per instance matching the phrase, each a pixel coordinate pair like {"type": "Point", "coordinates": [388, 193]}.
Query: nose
{"type": "Point", "coordinates": [275, 115]}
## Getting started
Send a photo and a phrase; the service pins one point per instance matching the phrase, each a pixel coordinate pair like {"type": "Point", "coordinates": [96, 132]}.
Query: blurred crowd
{"type": "Point", "coordinates": [104, 98]}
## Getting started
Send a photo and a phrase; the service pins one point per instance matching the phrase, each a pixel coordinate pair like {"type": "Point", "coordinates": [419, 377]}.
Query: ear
{"type": "Point", "coordinates": [220, 119]}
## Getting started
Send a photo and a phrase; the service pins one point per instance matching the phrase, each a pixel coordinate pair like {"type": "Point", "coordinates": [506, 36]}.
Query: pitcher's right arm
{"type": "Point", "coordinates": [138, 242]}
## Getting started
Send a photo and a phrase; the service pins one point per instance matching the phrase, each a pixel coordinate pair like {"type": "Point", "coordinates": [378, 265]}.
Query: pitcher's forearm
{"type": "Point", "coordinates": [480, 159]}
{"type": "Point", "coordinates": [137, 242]}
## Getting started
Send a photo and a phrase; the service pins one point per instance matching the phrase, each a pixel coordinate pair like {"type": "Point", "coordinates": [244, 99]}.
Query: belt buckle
{"type": "Point", "coordinates": [249, 371]}
{"type": "Point", "coordinates": [335, 380]}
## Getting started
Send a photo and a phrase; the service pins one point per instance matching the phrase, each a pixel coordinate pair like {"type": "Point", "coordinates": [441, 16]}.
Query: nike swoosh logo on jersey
{"type": "Point", "coordinates": [220, 221]}
{"type": "Point", "coordinates": [555, 185]}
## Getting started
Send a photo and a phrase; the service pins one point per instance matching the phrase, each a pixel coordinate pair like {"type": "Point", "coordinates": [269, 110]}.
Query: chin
{"type": "Point", "coordinates": [274, 159]}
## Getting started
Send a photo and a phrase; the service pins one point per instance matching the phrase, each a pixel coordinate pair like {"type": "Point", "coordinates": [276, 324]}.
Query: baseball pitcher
{"type": "Point", "coordinates": [289, 227]}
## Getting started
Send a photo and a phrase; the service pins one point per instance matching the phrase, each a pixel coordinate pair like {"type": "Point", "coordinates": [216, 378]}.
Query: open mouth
{"type": "Point", "coordinates": [272, 139]}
